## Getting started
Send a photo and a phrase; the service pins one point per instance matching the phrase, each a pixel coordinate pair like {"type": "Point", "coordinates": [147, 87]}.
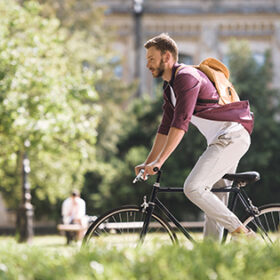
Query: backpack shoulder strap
{"type": "Point", "coordinates": [178, 69]}
{"type": "Point", "coordinates": [199, 99]}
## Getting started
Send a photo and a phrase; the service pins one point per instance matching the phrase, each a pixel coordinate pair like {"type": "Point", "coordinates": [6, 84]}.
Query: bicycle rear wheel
{"type": "Point", "coordinates": [267, 222]}
{"type": "Point", "coordinates": [121, 227]}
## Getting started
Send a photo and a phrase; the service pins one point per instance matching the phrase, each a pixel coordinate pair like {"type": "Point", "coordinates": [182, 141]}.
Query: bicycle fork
{"type": "Point", "coordinates": [149, 209]}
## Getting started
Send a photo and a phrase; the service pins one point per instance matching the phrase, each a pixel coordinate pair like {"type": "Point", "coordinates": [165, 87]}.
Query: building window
{"type": "Point", "coordinates": [118, 69]}
{"type": "Point", "coordinates": [259, 58]}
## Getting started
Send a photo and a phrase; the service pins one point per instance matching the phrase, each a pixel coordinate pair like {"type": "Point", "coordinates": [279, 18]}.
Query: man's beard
{"type": "Point", "coordinates": [160, 70]}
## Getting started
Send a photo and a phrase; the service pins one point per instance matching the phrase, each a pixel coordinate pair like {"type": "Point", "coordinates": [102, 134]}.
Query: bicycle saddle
{"type": "Point", "coordinates": [244, 177]}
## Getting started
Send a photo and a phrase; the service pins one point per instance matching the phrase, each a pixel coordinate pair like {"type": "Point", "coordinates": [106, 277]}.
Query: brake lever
{"type": "Point", "coordinates": [139, 177]}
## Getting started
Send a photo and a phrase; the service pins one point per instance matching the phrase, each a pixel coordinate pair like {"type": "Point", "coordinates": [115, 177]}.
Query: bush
{"type": "Point", "coordinates": [207, 260]}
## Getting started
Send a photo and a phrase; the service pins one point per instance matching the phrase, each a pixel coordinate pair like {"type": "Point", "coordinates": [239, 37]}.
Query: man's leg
{"type": "Point", "coordinates": [212, 228]}
{"type": "Point", "coordinates": [217, 160]}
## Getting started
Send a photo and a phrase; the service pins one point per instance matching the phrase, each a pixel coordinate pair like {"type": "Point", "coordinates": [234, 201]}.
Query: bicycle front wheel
{"type": "Point", "coordinates": [267, 222]}
{"type": "Point", "coordinates": [121, 228]}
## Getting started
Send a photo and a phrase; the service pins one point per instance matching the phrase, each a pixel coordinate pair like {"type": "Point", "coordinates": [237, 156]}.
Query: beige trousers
{"type": "Point", "coordinates": [220, 157]}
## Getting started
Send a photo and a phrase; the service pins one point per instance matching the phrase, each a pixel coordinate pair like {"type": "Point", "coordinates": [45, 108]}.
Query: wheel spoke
{"type": "Point", "coordinates": [122, 227]}
{"type": "Point", "coordinates": [274, 224]}
{"type": "Point", "coordinates": [266, 223]}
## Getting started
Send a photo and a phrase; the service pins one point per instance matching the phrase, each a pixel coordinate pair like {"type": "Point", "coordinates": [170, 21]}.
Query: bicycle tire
{"type": "Point", "coordinates": [269, 219]}
{"type": "Point", "coordinates": [121, 227]}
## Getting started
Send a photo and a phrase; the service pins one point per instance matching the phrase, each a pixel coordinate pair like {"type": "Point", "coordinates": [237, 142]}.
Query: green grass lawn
{"type": "Point", "coordinates": [46, 242]}
{"type": "Point", "coordinates": [49, 258]}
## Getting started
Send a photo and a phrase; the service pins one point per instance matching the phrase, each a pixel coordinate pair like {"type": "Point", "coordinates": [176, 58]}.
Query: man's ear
{"type": "Point", "coordinates": [167, 56]}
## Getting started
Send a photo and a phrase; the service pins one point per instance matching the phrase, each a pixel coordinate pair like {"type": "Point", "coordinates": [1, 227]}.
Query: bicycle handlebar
{"type": "Point", "coordinates": [139, 177]}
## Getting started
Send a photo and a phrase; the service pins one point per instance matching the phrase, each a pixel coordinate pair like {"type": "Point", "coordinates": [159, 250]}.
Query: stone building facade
{"type": "Point", "coordinates": [202, 28]}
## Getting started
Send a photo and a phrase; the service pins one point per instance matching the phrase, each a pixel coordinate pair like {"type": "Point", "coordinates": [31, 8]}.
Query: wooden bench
{"type": "Point", "coordinates": [71, 227]}
{"type": "Point", "coordinates": [71, 231]}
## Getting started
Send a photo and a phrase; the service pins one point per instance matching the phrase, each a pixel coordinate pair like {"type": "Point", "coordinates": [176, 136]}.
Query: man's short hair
{"type": "Point", "coordinates": [163, 43]}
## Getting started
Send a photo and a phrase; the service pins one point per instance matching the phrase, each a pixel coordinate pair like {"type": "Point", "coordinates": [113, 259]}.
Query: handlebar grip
{"type": "Point", "coordinates": [138, 177]}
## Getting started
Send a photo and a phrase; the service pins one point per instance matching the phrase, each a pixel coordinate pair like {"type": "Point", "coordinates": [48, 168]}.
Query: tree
{"type": "Point", "coordinates": [253, 82]}
{"type": "Point", "coordinates": [47, 98]}
{"type": "Point", "coordinates": [84, 22]}
{"type": "Point", "coordinates": [91, 41]}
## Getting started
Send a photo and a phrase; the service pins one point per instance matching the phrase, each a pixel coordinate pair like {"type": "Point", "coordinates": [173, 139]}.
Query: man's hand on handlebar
{"type": "Point", "coordinates": [144, 170]}
{"type": "Point", "coordinates": [139, 177]}
{"type": "Point", "coordinates": [139, 167]}
{"type": "Point", "coordinates": [151, 168]}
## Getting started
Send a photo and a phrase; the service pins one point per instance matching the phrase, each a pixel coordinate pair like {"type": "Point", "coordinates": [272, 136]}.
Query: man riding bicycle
{"type": "Point", "coordinates": [189, 96]}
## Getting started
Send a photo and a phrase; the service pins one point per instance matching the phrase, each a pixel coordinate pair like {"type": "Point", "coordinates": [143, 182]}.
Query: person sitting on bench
{"type": "Point", "coordinates": [74, 212]}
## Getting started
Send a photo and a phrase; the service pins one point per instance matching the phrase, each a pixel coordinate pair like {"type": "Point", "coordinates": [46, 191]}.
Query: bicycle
{"type": "Point", "coordinates": [141, 224]}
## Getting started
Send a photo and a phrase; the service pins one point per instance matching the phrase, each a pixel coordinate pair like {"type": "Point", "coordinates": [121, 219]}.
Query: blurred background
{"type": "Point", "coordinates": [78, 108]}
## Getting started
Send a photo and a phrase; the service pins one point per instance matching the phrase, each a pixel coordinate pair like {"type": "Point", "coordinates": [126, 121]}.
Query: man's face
{"type": "Point", "coordinates": [155, 62]}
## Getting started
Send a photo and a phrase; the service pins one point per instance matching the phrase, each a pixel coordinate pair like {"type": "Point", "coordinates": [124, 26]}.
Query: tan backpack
{"type": "Point", "coordinates": [218, 74]}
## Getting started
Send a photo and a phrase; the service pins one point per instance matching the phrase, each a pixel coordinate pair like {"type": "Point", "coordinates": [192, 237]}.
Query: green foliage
{"type": "Point", "coordinates": [47, 98]}
{"type": "Point", "coordinates": [114, 186]}
{"type": "Point", "coordinates": [54, 58]}
{"type": "Point", "coordinates": [92, 43]}
{"type": "Point", "coordinates": [252, 82]}
{"type": "Point", "coordinates": [207, 260]}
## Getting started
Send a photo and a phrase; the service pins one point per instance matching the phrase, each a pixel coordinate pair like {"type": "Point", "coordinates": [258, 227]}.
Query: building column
{"type": "Point", "coordinates": [208, 43]}
{"type": "Point", "coordinates": [137, 14]}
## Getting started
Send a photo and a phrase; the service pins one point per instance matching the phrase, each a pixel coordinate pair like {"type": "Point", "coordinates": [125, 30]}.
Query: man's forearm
{"type": "Point", "coordinates": [159, 144]}
{"type": "Point", "coordinates": [174, 137]}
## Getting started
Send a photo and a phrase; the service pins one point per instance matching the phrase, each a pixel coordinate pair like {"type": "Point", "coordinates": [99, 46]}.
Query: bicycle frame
{"type": "Point", "coordinates": [238, 194]}
{"type": "Point", "coordinates": [154, 201]}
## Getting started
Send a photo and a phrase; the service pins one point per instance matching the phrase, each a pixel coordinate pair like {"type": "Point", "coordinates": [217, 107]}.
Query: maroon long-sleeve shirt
{"type": "Point", "coordinates": [196, 95]}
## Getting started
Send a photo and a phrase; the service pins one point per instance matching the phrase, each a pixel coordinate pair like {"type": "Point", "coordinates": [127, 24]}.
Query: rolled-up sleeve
{"type": "Point", "coordinates": [186, 88]}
